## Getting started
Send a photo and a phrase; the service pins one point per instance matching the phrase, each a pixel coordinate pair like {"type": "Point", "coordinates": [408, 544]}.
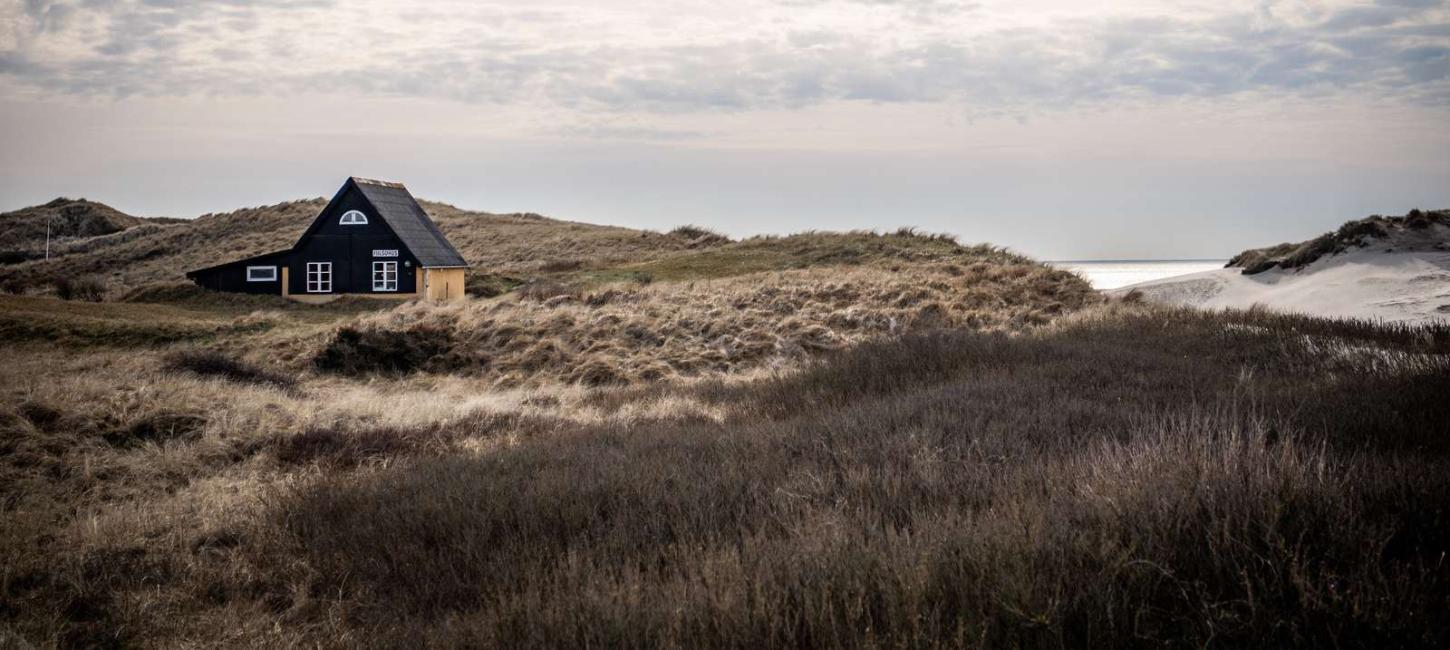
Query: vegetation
{"type": "Point", "coordinates": [90, 289]}
{"type": "Point", "coordinates": [632, 333]}
{"type": "Point", "coordinates": [63, 219]}
{"type": "Point", "coordinates": [643, 439]}
{"type": "Point", "coordinates": [508, 250]}
{"type": "Point", "coordinates": [65, 325]}
{"type": "Point", "coordinates": [148, 252]}
{"type": "Point", "coordinates": [216, 364]}
{"type": "Point", "coordinates": [1414, 230]}
{"type": "Point", "coordinates": [700, 237]}
{"type": "Point", "coordinates": [1123, 475]}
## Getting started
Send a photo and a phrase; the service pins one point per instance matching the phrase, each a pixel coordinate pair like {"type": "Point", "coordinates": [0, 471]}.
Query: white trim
{"type": "Point", "coordinates": [319, 277]}
{"type": "Point", "coordinates": [353, 218]}
{"type": "Point", "coordinates": [272, 271]}
{"type": "Point", "coordinates": [385, 276]}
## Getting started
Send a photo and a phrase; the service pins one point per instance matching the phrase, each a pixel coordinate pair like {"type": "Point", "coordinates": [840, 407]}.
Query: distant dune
{"type": "Point", "coordinates": [1395, 269]}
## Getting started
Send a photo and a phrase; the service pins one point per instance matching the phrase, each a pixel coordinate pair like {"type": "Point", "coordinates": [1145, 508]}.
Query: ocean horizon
{"type": "Point", "coordinates": [1114, 274]}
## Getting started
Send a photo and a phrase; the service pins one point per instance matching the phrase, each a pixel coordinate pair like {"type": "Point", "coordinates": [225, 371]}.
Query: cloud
{"type": "Point", "coordinates": [765, 56]}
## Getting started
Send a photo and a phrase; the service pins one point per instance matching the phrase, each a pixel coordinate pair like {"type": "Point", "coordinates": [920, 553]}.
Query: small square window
{"type": "Point", "coordinates": [319, 277]}
{"type": "Point", "coordinates": [261, 274]}
{"type": "Point", "coordinates": [385, 276]}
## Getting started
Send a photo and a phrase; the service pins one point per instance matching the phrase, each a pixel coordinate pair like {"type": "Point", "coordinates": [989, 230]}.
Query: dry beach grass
{"type": "Point", "coordinates": [676, 440]}
{"type": "Point", "coordinates": [623, 334]}
{"type": "Point", "coordinates": [1126, 475]}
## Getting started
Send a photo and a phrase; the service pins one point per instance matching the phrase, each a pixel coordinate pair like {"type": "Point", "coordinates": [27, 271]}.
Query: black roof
{"type": "Point", "coordinates": [264, 257]}
{"type": "Point", "coordinates": [408, 221]}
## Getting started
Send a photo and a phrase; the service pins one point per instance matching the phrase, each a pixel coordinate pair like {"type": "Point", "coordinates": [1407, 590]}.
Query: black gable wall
{"type": "Point", "coordinates": [350, 249]}
{"type": "Point", "coordinates": [233, 276]}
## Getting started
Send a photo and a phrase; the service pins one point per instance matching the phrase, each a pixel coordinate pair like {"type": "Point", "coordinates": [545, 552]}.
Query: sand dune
{"type": "Point", "coordinates": [1409, 287]}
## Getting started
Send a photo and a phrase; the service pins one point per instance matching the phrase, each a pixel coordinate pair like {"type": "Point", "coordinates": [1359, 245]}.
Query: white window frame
{"type": "Point", "coordinates": [353, 218]}
{"type": "Point", "coordinates": [271, 274]}
{"type": "Point", "coordinates": [319, 277]}
{"type": "Point", "coordinates": [385, 276]}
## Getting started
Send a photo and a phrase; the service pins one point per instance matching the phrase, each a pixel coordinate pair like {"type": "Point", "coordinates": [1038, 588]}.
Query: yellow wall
{"type": "Point", "coordinates": [443, 284]}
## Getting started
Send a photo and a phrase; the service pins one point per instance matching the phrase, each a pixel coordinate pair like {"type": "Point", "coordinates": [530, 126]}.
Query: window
{"type": "Point", "coordinates": [353, 218]}
{"type": "Point", "coordinates": [261, 274]}
{"type": "Point", "coordinates": [319, 277]}
{"type": "Point", "coordinates": [385, 276]}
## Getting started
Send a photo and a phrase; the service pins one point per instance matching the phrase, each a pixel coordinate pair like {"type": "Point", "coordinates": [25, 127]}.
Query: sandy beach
{"type": "Point", "coordinates": [1411, 287]}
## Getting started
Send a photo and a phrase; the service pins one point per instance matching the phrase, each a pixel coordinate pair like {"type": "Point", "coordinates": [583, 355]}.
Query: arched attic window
{"type": "Point", "coordinates": [353, 218]}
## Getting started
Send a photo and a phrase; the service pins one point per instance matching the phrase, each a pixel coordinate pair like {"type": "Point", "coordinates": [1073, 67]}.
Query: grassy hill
{"type": "Point", "coordinates": [127, 252]}
{"type": "Point", "coordinates": [23, 232]}
{"type": "Point", "coordinates": [1417, 230]}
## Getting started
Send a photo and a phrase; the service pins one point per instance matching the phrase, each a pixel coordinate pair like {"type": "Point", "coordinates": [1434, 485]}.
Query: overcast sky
{"type": "Point", "coordinates": [1063, 129]}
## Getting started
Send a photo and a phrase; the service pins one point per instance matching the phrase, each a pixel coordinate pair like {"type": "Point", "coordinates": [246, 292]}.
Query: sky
{"type": "Point", "coordinates": [1142, 129]}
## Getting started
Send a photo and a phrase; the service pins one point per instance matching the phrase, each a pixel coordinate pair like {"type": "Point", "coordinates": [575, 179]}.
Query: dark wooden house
{"type": "Point", "coordinates": [372, 239]}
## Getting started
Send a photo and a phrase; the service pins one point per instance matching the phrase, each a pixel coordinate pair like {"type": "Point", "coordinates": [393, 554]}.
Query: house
{"type": "Point", "coordinates": [372, 239]}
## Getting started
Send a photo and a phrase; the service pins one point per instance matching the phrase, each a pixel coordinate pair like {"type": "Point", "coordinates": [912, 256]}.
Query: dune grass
{"type": "Point", "coordinates": [633, 333]}
{"type": "Point", "coordinates": [1128, 475]}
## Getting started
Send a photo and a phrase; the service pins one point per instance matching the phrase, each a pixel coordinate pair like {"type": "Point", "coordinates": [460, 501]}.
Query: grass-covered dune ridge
{"type": "Point", "coordinates": [881, 285]}
{"type": "Point", "coordinates": [1127, 475]}
{"type": "Point", "coordinates": [1417, 230]}
{"type": "Point", "coordinates": [64, 220]}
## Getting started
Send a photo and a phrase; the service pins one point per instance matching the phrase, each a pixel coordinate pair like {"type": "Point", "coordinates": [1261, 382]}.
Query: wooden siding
{"type": "Point", "coordinates": [444, 284]}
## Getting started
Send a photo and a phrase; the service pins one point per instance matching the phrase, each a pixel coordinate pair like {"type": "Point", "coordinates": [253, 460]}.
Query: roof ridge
{"type": "Point", "coordinates": [374, 181]}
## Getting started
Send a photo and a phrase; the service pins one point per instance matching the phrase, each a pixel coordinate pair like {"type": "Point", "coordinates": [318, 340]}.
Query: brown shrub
{"type": "Point", "coordinates": [14, 285]}
{"type": "Point", "coordinates": [357, 351]}
{"type": "Point", "coordinates": [87, 288]}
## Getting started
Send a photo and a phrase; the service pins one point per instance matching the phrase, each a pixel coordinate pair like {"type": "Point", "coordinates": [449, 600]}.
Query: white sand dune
{"type": "Point", "coordinates": [1407, 287]}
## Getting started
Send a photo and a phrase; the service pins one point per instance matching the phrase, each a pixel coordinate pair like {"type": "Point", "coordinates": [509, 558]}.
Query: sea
{"type": "Point", "coordinates": [1111, 274]}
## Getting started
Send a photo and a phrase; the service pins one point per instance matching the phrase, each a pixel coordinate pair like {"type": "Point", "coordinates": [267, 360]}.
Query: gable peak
{"type": "Point", "coordinates": [373, 181]}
